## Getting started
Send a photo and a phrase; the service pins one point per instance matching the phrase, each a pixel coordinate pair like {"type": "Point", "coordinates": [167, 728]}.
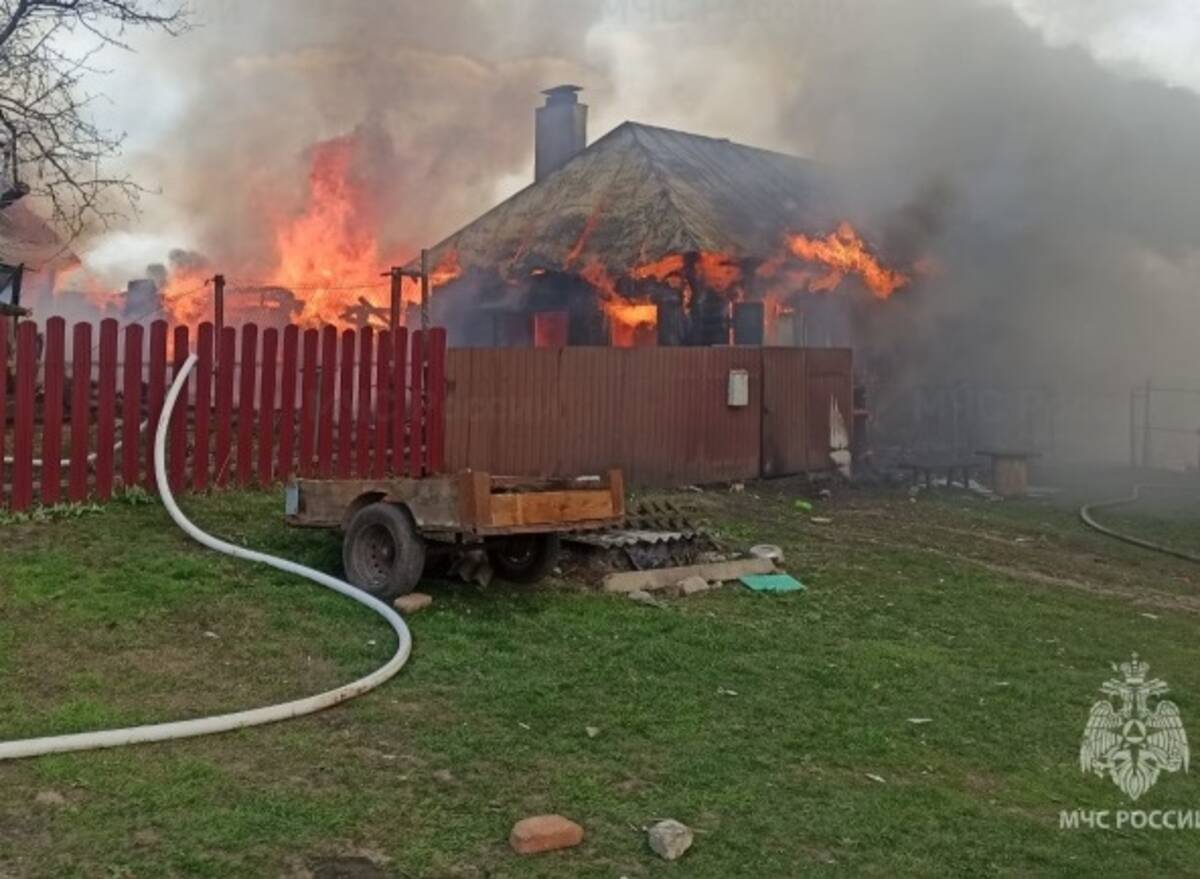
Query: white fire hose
{"type": "Point", "coordinates": [158, 732]}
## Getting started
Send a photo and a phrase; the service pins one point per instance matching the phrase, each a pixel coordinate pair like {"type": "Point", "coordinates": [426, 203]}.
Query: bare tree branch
{"type": "Point", "coordinates": [49, 144]}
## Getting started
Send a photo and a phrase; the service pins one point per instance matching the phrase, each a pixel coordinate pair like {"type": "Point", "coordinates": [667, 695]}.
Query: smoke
{"type": "Point", "coordinates": [1050, 188]}
{"type": "Point", "coordinates": [1053, 191]}
{"type": "Point", "coordinates": [442, 94]}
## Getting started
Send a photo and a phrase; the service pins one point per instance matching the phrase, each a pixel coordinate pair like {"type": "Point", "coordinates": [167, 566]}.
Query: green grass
{"type": "Point", "coordinates": [996, 621]}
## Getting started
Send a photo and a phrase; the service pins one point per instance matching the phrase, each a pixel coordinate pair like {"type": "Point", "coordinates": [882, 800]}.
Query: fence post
{"type": "Point", "coordinates": [226, 354]}
{"type": "Point", "coordinates": [156, 392]}
{"type": "Point", "coordinates": [106, 418]}
{"type": "Point", "coordinates": [397, 276]}
{"type": "Point", "coordinates": [177, 453]}
{"type": "Point", "coordinates": [424, 289]}
{"type": "Point", "coordinates": [245, 417]}
{"type": "Point", "coordinates": [435, 431]}
{"type": "Point", "coordinates": [266, 405]}
{"type": "Point", "coordinates": [53, 366]}
{"type": "Point", "coordinates": [218, 306]}
{"type": "Point", "coordinates": [26, 376]}
{"type": "Point", "coordinates": [399, 400]}
{"type": "Point", "coordinates": [131, 410]}
{"type": "Point", "coordinates": [345, 421]}
{"type": "Point", "coordinates": [287, 401]}
{"type": "Point", "coordinates": [4, 322]}
{"type": "Point", "coordinates": [204, 384]}
{"type": "Point", "coordinates": [328, 388]}
{"type": "Point", "coordinates": [81, 410]}
{"type": "Point", "coordinates": [308, 404]}
{"type": "Point", "coordinates": [362, 430]}
{"type": "Point", "coordinates": [383, 406]}
{"type": "Point", "coordinates": [416, 413]}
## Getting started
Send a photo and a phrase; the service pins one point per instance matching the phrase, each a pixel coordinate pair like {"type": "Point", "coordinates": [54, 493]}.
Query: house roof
{"type": "Point", "coordinates": [641, 192]}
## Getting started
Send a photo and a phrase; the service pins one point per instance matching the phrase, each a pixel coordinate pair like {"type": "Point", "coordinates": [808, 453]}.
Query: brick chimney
{"type": "Point", "coordinates": [560, 130]}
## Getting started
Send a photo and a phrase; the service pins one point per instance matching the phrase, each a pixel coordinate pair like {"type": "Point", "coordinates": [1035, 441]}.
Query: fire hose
{"type": "Point", "coordinates": [158, 732]}
{"type": "Point", "coordinates": [1085, 514]}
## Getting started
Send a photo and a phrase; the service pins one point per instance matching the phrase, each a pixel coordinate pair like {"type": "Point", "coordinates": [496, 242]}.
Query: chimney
{"type": "Point", "coordinates": [561, 130]}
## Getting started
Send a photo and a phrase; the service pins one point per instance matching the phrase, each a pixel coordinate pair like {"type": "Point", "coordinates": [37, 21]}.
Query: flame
{"type": "Point", "coordinates": [329, 248]}
{"type": "Point", "coordinates": [589, 227]}
{"type": "Point", "coordinates": [815, 265]}
{"type": "Point", "coordinates": [661, 269]}
{"type": "Point", "coordinates": [447, 269]}
{"type": "Point", "coordinates": [185, 299]}
{"type": "Point", "coordinates": [843, 253]}
{"type": "Point", "coordinates": [628, 321]}
{"type": "Point", "coordinates": [719, 271]}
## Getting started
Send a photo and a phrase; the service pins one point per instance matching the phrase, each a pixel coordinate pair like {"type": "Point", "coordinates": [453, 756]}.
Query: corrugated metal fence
{"type": "Point", "coordinates": [661, 414]}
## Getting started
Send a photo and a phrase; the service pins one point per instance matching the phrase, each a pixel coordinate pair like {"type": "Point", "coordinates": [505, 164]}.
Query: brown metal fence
{"type": "Point", "coordinates": [661, 414]}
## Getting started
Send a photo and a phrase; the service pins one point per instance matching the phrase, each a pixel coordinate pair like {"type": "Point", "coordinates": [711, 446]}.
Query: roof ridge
{"type": "Point", "coordinates": [691, 135]}
{"type": "Point", "coordinates": [664, 179]}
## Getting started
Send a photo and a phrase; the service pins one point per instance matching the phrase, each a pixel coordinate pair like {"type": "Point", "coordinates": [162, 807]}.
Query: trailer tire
{"type": "Point", "coordinates": [382, 552]}
{"type": "Point", "coordinates": [523, 558]}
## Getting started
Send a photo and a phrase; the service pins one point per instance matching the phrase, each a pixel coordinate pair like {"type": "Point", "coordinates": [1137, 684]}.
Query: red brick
{"type": "Point", "coordinates": [543, 833]}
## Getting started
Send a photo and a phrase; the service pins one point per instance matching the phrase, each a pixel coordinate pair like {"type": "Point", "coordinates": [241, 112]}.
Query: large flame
{"type": "Point", "coordinates": [327, 264]}
{"type": "Point", "coordinates": [802, 265]}
{"type": "Point", "coordinates": [330, 248]}
{"type": "Point", "coordinates": [327, 267]}
{"type": "Point", "coordinates": [843, 253]}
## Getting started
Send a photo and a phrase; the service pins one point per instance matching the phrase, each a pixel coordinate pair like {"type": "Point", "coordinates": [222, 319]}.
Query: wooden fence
{"type": "Point", "coordinates": [79, 418]}
{"type": "Point", "coordinates": [315, 403]}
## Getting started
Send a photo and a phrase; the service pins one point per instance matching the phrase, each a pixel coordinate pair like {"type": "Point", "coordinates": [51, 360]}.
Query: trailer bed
{"type": "Point", "coordinates": [469, 504]}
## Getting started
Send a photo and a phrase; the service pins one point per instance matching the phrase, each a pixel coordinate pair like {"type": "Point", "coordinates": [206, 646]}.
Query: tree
{"type": "Point", "coordinates": [51, 147]}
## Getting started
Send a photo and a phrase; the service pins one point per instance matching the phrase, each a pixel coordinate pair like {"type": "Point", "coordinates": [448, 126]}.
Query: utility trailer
{"type": "Point", "coordinates": [391, 526]}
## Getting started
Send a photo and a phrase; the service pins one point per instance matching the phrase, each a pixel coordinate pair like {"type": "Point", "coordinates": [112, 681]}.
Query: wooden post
{"type": "Point", "coordinates": [424, 289]}
{"type": "Point", "coordinates": [397, 276]}
{"type": "Point", "coordinates": [218, 306]}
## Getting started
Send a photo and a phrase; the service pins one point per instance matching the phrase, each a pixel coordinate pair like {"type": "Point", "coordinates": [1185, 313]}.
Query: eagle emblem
{"type": "Point", "coordinates": [1129, 742]}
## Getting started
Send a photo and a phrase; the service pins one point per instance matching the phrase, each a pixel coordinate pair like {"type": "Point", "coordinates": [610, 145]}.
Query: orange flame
{"type": "Point", "coordinates": [328, 248]}
{"type": "Point", "coordinates": [843, 253]}
{"type": "Point", "coordinates": [447, 269]}
{"type": "Point", "coordinates": [628, 320]}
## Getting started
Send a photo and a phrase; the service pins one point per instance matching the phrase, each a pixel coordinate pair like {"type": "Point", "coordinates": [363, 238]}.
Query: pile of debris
{"type": "Point", "coordinates": [654, 534]}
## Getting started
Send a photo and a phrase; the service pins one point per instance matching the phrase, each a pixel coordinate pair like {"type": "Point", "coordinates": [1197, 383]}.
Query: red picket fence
{"type": "Point", "coordinates": [259, 409]}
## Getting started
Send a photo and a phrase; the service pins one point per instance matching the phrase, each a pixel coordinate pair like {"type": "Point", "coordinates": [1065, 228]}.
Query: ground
{"type": "Point", "coordinates": [779, 727]}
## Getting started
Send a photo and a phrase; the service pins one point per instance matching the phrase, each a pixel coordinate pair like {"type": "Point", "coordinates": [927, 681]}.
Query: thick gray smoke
{"type": "Point", "coordinates": [443, 90]}
{"type": "Point", "coordinates": [1057, 196]}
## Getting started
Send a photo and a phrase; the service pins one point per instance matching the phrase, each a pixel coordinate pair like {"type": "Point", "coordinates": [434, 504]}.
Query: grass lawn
{"type": "Point", "coordinates": [996, 621]}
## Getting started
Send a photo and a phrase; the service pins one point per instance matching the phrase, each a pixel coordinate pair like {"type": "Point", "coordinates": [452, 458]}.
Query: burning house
{"type": "Point", "coordinates": [651, 236]}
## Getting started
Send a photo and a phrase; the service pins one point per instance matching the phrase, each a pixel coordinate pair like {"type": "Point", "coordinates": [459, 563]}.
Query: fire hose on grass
{"type": "Point", "coordinates": [1085, 513]}
{"type": "Point", "coordinates": [158, 732]}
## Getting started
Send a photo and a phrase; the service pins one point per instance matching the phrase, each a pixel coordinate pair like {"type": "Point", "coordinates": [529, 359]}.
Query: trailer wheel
{"type": "Point", "coordinates": [523, 558]}
{"type": "Point", "coordinates": [382, 552]}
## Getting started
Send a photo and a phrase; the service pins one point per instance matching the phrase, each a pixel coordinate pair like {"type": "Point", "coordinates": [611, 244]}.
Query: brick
{"type": "Point", "coordinates": [412, 602]}
{"type": "Point", "coordinates": [544, 833]}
